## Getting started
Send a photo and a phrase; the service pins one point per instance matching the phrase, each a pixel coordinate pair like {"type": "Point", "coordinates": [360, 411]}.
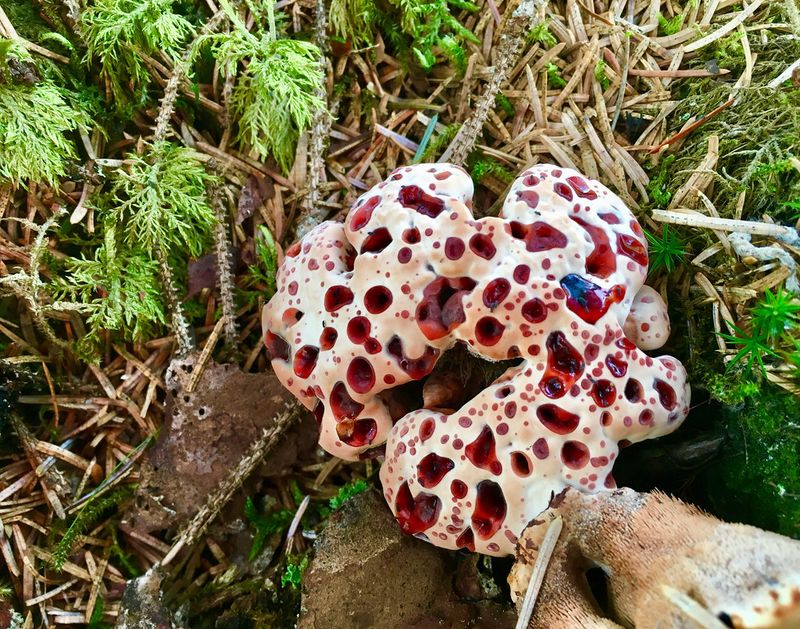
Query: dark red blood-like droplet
{"type": "Point", "coordinates": [490, 509]}
{"type": "Point", "coordinates": [357, 433]}
{"type": "Point", "coordinates": [609, 217]}
{"type": "Point", "coordinates": [291, 316]}
{"type": "Point", "coordinates": [277, 347]}
{"type": "Point", "coordinates": [616, 366]}
{"type": "Point", "coordinates": [601, 262]}
{"type": "Point", "coordinates": [466, 540]}
{"type": "Point", "coordinates": [581, 188]}
{"type": "Point", "coordinates": [588, 300]}
{"type": "Point", "coordinates": [633, 390]}
{"type": "Point", "coordinates": [416, 368]}
{"type": "Point", "coordinates": [458, 489]}
{"type": "Point", "coordinates": [337, 297]}
{"type": "Point", "coordinates": [540, 448]}
{"type": "Point", "coordinates": [432, 469]}
{"type": "Point", "coordinates": [557, 420]}
{"type": "Point", "coordinates": [646, 417]}
{"type": "Point", "coordinates": [632, 248]}
{"type": "Point", "coordinates": [522, 273]}
{"type": "Point", "coordinates": [563, 190]}
{"type": "Point", "coordinates": [293, 251]}
{"type": "Point", "coordinates": [666, 394]}
{"type": "Point", "coordinates": [377, 299]}
{"type": "Point", "coordinates": [454, 248]}
{"type": "Point", "coordinates": [488, 331]}
{"type": "Point", "coordinates": [361, 215]}
{"type": "Point", "coordinates": [377, 241]}
{"type": "Point", "coordinates": [305, 359]}
{"type": "Point", "coordinates": [625, 344]}
{"type": "Point", "coordinates": [404, 255]}
{"type": "Point", "coordinates": [415, 198]}
{"type": "Point", "coordinates": [411, 236]}
{"type": "Point", "coordinates": [574, 455]}
{"type": "Point", "coordinates": [605, 418]}
{"type": "Point", "coordinates": [495, 292]}
{"type": "Point", "coordinates": [328, 337]}
{"type": "Point", "coordinates": [482, 245]}
{"type": "Point", "coordinates": [564, 366]}
{"type": "Point", "coordinates": [538, 236]}
{"type": "Point", "coordinates": [440, 309]}
{"type": "Point", "coordinates": [319, 411]}
{"type": "Point", "coordinates": [531, 197]}
{"type": "Point", "coordinates": [534, 310]}
{"type": "Point", "coordinates": [604, 393]}
{"type": "Point", "coordinates": [416, 515]}
{"type": "Point", "coordinates": [482, 452]}
{"type": "Point", "coordinates": [360, 375]}
{"type": "Point", "coordinates": [426, 430]}
{"type": "Point", "coordinates": [521, 464]}
{"type": "Point", "coordinates": [342, 405]}
{"type": "Point", "coordinates": [358, 329]}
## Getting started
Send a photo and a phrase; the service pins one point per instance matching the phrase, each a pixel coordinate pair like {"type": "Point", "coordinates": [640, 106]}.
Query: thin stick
{"type": "Point", "coordinates": [781, 232]}
{"type": "Point", "coordinates": [539, 570]}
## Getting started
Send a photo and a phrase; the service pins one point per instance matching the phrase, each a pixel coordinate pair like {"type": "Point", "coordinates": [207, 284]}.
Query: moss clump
{"type": "Point", "coordinates": [759, 481]}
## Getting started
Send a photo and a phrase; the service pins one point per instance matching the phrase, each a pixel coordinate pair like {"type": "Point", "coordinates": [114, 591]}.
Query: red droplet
{"type": "Point", "coordinates": [416, 515]}
{"type": "Point", "coordinates": [337, 297]}
{"type": "Point", "coordinates": [416, 368]}
{"type": "Point", "coordinates": [557, 420]}
{"type": "Point", "coordinates": [291, 316]}
{"type": "Point", "coordinates": [490, 509]}
{"type": "Point", "coordinates": [530, 197]}
{"type": "Point", "coordinates": [277, 347]}
{"type": "Point", "coordinates": [605, 418]}
{"type": "Point", "coordinates": [360, 375]}
{"type": "Point", "coordinates": [564, 366]}
{"type": "Point", "coordinates": [377, 299]}
{"type": "Point", "coordinates": [305, 359]}
{"type": "Point", "coordinates": [318, 412]}
{"type": "Point", "coordinates": [646, 417]}
{"type": "Point", "coordinates": [563, 190]}
{"type": "Point", "coordinates": [616, 366]}
{"type": "Point", "coordinates": [481, 452]}
{"type": "Point", "coordinates": [411, 236]}
{"type": "Point", "coordinates": [601, 262]}
{"type": "Point", "coordinates": [357, 433]}
{"type": "Point", "coordinates": [432, 469]}
{"type": "Point", "coordinates": [534, 310]}
{"type": "Point", "coordinates": [453, 248]}
{"type": "Point", "coordinates": [466, 540]}
{"type": "Point", "coordinates": [404, 255]}
{"type": "Point", "coordinates": [358, 330]}
{"type": "Point", "coordinates": [415, 198]}
{"type": "Point", "coordinates": [377, 241]}
{"type": "Point", "coordinates": [488, 331]}
{"type": "Point", "coordinates": [666, 394]}
{"type": "Point", "coordinates": [540, 448]}
{"type": "Point", "coordinates": [495, 292]}
{"type": "Point", "coordinates": [604, 393]}
{"type": "Point", "coordinates": [588, 300]}
{"type": "Point", "coordinates": [522, 273]}
{"type": "Point", "coordinates": [581, 188]}
{"type": "Point", "coordinates": [360, 216]}
{"type": "Point", "coordinates": [293, 251]}
{"type": "Point", "coordinates": [482, 245]}
{"type": "Point", "coordinates": [625, 344]}
{"type": "Point", "coordinates": [538, 236]}
{"type": "Point", "coordinates": [426, 430]}
{"type": "Point", "coordinates": [633, 390]}
{"type": "Point", "coordinates": [458, 489]}
{"type": "Point", "coordinates": [610, 218]}
{"type": "Point", "coordinates": [521, 464]}
{"type": "Point", "coordinates": [632, 248]}
{"type": "Point", "coordinates": [574, 455]}
{"type": "Point", "coordinates": [342, 405]}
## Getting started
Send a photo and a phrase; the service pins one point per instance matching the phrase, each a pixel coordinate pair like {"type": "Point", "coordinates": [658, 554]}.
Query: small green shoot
{"type": "Point", "coordinates": [541, 34]}
{"type": "Point", "coordinates": [266, 266]}
{"type": "Point", "coordinates": [348, 491]}
{"type": "Point", "coordinates": [600, 74]}
{"type": "Point", "coordinates": [670, 26]}
{"type": "Point", "coordinates": [554, 78]}
{"type": "Point", "coordinates": [293, 573]}
{"type": "Point", "coordinates": [666, 252]}
{"type": "Point", "coordinates": [657, 188]}
{"type": "Point", "coordinates": [751, 347]}
{"type": "Point", "coordinates": [775, 314]}
{"type": "Point", "coordinates": [505, 104]}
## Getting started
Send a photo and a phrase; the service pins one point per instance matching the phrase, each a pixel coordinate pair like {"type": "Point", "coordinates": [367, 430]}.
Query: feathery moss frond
{"type": "Point", "coordinates": [667, 251]}
{"type": "Point", "coordinates": [275, 95]}
{"type": "Point", "coordinates": [117, 31]}
{"type": "Point", "coordinates": [160, 200]}
{"type": "Point", "coordinates": [353, 19]}
{"type": "Point", "coordinates": [34, 122]}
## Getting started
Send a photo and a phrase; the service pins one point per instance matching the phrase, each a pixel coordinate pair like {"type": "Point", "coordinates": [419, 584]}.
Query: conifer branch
{"type": "Point", "coordinates": [511, 43]}
{"type": "Point", "coordinates": [225, 276]}
{"type": "Point", "coordinates": [180, 325]}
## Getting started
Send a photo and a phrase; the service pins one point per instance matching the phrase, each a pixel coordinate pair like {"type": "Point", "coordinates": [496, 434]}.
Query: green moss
{"type": "Point", "coordinates": [758, 482]}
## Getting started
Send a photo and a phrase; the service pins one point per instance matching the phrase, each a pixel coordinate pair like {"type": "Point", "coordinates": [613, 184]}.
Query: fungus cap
{"type": "Point", "coordinates": [370, 304]}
